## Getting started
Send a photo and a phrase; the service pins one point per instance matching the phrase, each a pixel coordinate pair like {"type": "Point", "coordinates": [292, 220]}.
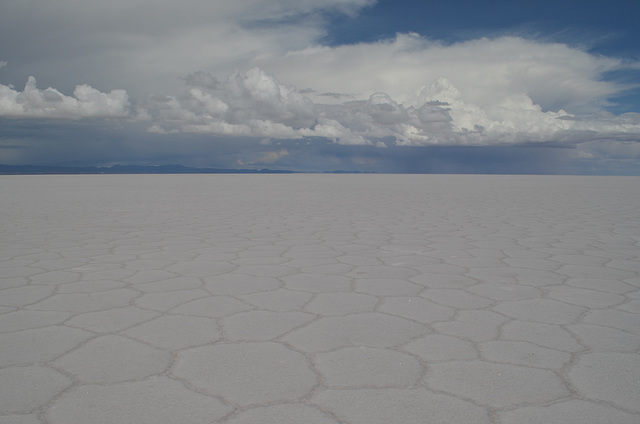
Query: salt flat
{"type": "Point", "coordinates": [324, 299]}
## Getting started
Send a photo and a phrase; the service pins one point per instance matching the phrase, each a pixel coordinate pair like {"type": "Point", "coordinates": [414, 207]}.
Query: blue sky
{"type": "Point", "coordinates": [313, 85]}
{"type": "Point", "coordinates": [606, 27]}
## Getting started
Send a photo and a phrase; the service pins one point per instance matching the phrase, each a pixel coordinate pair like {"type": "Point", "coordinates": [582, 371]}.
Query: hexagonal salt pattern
{"type": "Point", "coordinates": [381, 406]}
{"type": "Point", "coordinates": [283, 413]}
{"type": "Point", "coordinates": [496, 385]}
{"type": "Point", "coordinates": [362, 366]}
{"type": "Point", "coordinates": [247, 373]}
{"type": "Point", "coordinates": [25, 389]}
{"type": "Point", "coordinates": [157, 400]}
{"type": "Point", "coordinates": [609, 377]}
{"type": "Point", "coordinates": [319, 299]}
{"type": "Point", "coordinates": [111, 359]}
{"type": "Point", "coordinates": [567, 412]}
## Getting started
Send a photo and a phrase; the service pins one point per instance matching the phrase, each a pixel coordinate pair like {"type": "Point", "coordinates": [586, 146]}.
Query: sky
{"type": "Point", "coordinates": [455, 86]}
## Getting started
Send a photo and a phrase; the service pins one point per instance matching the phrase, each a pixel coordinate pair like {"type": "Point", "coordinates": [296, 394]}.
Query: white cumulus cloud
{"type": "Point", "coordinates": [87, 102]}
{"type": "Point", "coordinates": [555, 76]}
{"type": "Point", "coordinates": [255, 104]}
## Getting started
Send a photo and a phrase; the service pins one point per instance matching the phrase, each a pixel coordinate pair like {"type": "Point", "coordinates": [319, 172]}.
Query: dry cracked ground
{"type": "Point", "coordinates": [319, 299]}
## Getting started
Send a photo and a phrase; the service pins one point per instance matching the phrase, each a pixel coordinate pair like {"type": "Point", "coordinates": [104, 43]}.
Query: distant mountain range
{"type": "Point", "coordinates": [128, 169]}
{"type": "Point", "coordinates": [138, 169]}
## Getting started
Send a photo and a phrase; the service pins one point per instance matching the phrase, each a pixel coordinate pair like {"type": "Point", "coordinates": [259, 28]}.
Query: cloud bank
{"type": "Point", "coordinates": [410, 92]}
{"type": "Point", "coordinates": [402, 92]}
